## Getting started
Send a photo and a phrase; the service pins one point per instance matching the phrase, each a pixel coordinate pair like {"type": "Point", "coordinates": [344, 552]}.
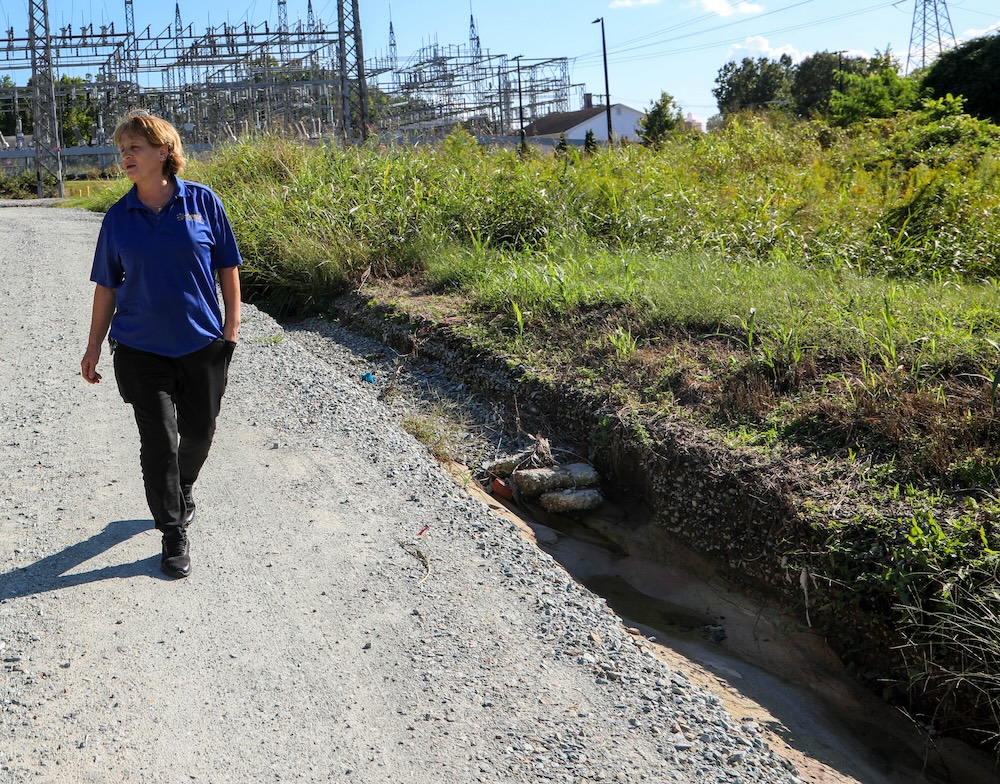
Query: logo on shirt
{"type": "Point", "coordinates": [190, 216]}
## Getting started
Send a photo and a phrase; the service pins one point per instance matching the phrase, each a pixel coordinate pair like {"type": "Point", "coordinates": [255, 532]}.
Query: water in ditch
{"type": "Point", "coordinates": [765, 663]}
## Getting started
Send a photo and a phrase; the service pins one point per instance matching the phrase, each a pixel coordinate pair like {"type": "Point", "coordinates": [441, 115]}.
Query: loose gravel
{"type": "Point", "coordinates": [353, 614]}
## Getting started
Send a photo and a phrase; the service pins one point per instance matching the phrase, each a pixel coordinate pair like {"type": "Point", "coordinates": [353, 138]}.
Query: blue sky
{"type": "Point", "coordinates": [653, 45]}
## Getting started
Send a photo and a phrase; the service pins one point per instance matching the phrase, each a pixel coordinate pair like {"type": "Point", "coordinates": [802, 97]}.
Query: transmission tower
{"type": "Point", "coordinates": [43, 99]}
{"type": "Point", "coordinates": [932, 33]}
{"type": "Point", "coordinates": [351, 57]}
{"type": "Point", "coordinates": [283, 30]}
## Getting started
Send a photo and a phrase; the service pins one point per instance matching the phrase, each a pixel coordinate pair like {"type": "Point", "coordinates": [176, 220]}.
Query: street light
{"type": "Point", "coordinates": [607, 89]}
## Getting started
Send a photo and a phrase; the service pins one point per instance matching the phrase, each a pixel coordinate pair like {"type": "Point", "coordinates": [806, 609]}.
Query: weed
{"type": "Point", "coordinates": [623, 342]}
{"type": "Point", "coordinates": [869, 257]}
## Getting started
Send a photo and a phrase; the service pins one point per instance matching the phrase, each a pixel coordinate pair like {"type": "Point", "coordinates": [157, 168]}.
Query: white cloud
{"type": "Point", "coordinates": [632, 3]}
{"type": "Point", "coordinates": [968, 35]}
{"type": "Point", "coordinates": [758, 46]}
{"type": "Point", "coordinates": [726, 8]}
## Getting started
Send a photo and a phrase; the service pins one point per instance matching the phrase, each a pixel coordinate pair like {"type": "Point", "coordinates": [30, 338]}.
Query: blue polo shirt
{"type": "Point", "coordinates": [162, 267]}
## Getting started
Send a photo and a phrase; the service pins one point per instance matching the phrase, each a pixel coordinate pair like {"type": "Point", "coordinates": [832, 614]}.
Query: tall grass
{"type": "Point", "coordinates": [831, 289]}
{"type": "Point", "coordinates": [849, 267]}
{"type": "Point", "coordinates": [760, 215]}
{"type": "Point", "coordinates": [873, 250]}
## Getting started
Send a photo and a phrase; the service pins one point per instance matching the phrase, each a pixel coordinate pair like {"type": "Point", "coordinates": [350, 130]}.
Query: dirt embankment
{"type": "Point", "coordinates": [742, 513]}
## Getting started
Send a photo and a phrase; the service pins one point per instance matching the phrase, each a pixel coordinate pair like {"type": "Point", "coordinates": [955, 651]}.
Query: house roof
{"type": "Point", "coordinates": [558, 122]}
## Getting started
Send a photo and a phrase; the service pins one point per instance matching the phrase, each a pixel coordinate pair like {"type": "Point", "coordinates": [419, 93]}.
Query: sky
{"type": "Point", "coordinates": [677, 46]}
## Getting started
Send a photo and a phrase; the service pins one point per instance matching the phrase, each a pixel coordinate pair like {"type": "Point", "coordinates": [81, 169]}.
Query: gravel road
{"type": "Point", "coordinates": [353, 614]}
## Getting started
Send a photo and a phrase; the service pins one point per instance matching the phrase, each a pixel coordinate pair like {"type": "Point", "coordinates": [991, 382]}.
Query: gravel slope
{"type": "Point", "coordinates": [352, 614]}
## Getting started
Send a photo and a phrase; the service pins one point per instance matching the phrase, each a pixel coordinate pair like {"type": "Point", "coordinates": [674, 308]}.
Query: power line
{"type": "Point", "coordinates": [624, 45]}
{"type": "Point", "coordinates": [730, 41]}
{"type": "Point", "coordinates": [734, 23]}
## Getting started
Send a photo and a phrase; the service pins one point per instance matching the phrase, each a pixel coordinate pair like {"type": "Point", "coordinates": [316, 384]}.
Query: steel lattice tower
{"type": "Point", "coordinates": [43, 95]}
{"type": "Point", "coordinates": [932, 33]}
{"type": "Point", "coordinates": [283, 30]}
{"type": "Point", "coordinates": [351, 57]}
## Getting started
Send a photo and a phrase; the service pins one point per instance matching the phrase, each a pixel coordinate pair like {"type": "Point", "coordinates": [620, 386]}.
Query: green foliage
{"type": "Point", "coordinates": [563, 146]}
{"type": "Point", "coordinates": [623, 342]}
{"type": "Point", "coordinates": [843, 281]}
{"type": "Point", "coordinates": [662, 119]}
{"type": "Point", "coordinates": [77, 113]}
{"type": "Point", "coordinates": [972, 70]}
{"type": "Point", "coordinates": [753, 84]}
{"type": "Point", "coordinates": [881, 92]}
{"type": "Point", "coordinates": [590, 142]}
{"type": "Point", "coordinates": [103, 198]}
{"type": "Point", "coordinates": [935, 582]}
{"type": "Point", "coordinates": [815, 79]}
{"type": "Point", "coordinates": [23, 185]}
{"type": "Point", "coordinates": [8, 119]}
{"type": "Point", "coordinates": [941, 133]}
{"type": "Point", "coordinates": [910, 195]}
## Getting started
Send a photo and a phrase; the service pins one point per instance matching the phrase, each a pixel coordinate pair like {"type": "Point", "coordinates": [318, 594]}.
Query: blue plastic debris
{"type": "Point", "coordinates": [369, 378]}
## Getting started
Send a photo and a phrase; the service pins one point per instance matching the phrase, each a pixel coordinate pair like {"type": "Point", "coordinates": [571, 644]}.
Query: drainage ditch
{"type": "Point", "coordinates": [764, 663]}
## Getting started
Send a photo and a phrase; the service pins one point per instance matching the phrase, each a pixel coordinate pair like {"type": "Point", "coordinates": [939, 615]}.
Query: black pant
{"type": "Point", "coordinates": [176, 402]}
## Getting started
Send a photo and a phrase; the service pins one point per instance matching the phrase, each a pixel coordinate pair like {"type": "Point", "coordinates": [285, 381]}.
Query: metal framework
{"type": "Point", "coordinates": [230, 80]}
{"type": "Point", "coordinates": [213, 85]}
{"type": "Point", "coordinates": [43, 98]}
{"type": "Point", "coordinates": [931, 34]}
{"type": "Point", "coordinates": [441, 86]}
{"type": "Point", "coordinates": [353, 83]}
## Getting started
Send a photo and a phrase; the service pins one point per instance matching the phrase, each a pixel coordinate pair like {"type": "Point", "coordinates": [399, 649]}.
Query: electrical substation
{"type": "Point", "coordinates": [308, 79]}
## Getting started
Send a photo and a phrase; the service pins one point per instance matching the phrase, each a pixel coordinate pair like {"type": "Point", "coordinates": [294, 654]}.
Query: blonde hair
{"type": "Point", "coordinates": [139, 123]}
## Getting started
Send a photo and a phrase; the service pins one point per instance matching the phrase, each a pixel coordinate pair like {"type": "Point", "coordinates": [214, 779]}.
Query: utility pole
{"type": "Point", "coordinates": [840, 71]}
{"type": "Point", "coordinates": [607, 88]}
{"type": "Point", "coordinates": [520, 99]}
{"type": "Point", "coordinates": [932, 33]}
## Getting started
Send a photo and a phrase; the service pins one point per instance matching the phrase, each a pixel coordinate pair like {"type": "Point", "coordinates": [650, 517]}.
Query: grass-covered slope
{"type": "Point", "coordinates": [819, 305]}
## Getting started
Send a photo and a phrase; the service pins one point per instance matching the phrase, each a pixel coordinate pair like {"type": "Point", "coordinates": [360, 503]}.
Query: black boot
{"type": "Point", "coordinates": [187, 492]}
{"type": "Point", "coordinates": [176, 558]}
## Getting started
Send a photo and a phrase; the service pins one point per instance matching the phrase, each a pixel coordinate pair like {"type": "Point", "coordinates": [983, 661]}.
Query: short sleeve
{"type": "Point", "coordinates": [226, 253]}
{"type": "Point", "coordinates": [107, 269]}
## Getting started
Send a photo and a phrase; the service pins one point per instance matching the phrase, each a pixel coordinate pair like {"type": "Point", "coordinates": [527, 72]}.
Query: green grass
{"type": "Point", "coordinates": [786, 285]}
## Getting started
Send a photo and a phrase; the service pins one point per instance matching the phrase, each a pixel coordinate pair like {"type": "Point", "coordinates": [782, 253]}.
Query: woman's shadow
{"type": "Point", "coordinates": [49, 574]}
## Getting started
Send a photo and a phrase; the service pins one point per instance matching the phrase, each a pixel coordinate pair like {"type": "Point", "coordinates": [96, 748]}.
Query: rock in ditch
{"type": "Point", "coordinates": [571, 500]}
{"type": "Point", "coordinates": [506, 466]}
{"type": "Point", "coordinates": [533, 482]}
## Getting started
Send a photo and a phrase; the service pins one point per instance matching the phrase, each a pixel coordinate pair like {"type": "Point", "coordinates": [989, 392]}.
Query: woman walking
{"type": "Point", "coordinates": [159, 251]}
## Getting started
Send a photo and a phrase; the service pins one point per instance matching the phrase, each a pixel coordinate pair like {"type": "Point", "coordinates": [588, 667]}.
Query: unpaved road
{"type": "Point", "coordinates": [352, 614]}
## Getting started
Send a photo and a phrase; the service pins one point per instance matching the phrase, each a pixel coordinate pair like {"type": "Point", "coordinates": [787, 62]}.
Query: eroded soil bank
{"type": "Point", "coordinates": [762, 661]}
{"type": "Point", "coordinates": [715, 593]}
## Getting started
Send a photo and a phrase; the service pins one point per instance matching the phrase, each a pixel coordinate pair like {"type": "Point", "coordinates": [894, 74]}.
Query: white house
{"type": "Point", "coordinates": [624, 123]}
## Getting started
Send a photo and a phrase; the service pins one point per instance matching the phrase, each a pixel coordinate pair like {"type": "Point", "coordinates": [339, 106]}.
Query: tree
{"type": "Point", "coordinates": [77, 112]}
{"type": "Point", "coordinates": [753, 84]}
{"type": "Point", "coordinates": [379, 103]}
{"type": "Point", "coordinates": [563, 146]}
{"type": "Point", "coordinates": [663, 118]}
{"type": "Point", "coordinates": [971, 70]}
{"type": "Point", "coordinates": [815, 79]}
{"type": "Point", "coordinates": [881, 92]}
{"type": "Point", "coordinates": [590, 142]}
{"type": "Point", "coordinates": [7, 119]}
{"type": "Point", "coordinates": [715, 123]}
